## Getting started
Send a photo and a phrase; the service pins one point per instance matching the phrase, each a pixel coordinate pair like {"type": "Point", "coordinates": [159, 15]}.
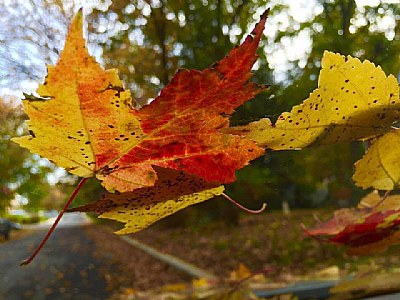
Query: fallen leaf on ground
{"type": "Point", "coordinates": [370, 285]}
{"type": "Point", "coordinates": [241, 273]}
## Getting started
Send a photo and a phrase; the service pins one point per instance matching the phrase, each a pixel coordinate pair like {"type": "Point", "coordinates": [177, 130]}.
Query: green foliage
{"type": "Point", "coordinates": [20, 172]}
{"type": "Point", "coordinates": [171, 36]}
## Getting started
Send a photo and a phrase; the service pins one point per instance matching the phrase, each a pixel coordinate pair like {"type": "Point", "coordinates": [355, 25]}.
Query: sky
{"type": "Point", "coordinates": [18, 54]}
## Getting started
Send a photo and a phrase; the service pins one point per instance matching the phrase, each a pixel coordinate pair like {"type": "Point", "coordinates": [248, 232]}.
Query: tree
{"type": "Point", "coordinates": [21, 172]}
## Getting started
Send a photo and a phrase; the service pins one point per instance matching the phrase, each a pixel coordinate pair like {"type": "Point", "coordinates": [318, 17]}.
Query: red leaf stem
{"type": "Point", "coordinates": [53, 227]}
{"type": "Point", "coordinates": [264, 206]}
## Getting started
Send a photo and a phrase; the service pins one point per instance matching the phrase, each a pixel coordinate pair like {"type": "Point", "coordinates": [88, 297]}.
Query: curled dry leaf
{"type": "Point", "coordinates": [354, 100]}
{"type": "Point", "coordinates": [84, 121]}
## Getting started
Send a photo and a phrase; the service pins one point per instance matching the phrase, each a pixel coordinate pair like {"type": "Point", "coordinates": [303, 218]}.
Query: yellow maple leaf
{"type": "Point", "coordinates": [241, 273]}
{"type": "Point", "coordinates": [379, 168]}
{"type": "Point", "coordinates": [354, 100]}
{"type": "Point", "coordinates": [58, 126]}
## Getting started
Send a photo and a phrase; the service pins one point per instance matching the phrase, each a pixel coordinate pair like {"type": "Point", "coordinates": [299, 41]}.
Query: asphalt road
{"type": "Point", "coordinates": [65, 269]}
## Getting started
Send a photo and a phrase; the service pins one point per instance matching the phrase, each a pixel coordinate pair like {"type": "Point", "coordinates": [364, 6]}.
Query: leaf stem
{"type": "Point", "coordinates": [264, 206]}
{"type": "Point", "coordinates": [383, 198]}
{"type": "Point", "coordinates": [53, 227]}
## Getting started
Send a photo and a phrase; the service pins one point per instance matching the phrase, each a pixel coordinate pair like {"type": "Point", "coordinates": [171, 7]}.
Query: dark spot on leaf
{"type": "Point", "coordinates": [32, 133]}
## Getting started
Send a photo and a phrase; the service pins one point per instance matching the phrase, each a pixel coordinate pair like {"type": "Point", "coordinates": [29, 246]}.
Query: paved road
{"type": "Point", "coordinates": [65, 269]}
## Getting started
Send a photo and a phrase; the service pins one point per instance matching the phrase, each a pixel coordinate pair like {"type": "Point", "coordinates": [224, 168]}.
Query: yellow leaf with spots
{"type": "Point", "coordinates": [172, 191]}
{"type": "Point", "coordinates": [354, 100]}
{"type": "Point", "coordinates": [64, 121]}
{"type": "Point", "coordinates": [379, 168]}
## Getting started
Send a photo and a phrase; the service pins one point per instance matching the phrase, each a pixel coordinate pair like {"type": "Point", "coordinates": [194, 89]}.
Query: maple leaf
{"type": "Point", "coordinates": [84, 121]}
{"type": "Point", "coordinates": [173, 191]}
{"type": "Point", "coordinates": [354, 100]}
{"type": "Point", "coordinates": [370, 228]}
{"type": "Point", "coordinates": [380, 166]}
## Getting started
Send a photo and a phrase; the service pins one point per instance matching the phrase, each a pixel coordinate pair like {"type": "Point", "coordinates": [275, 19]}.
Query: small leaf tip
{"type": "Point", "coordinates": [78, 19]}
{"type": "Point", "coordinates": [265, 14]}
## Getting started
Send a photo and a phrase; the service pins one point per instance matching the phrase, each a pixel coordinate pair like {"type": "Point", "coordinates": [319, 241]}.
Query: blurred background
{"type": "Point", "coordinates": [148, 41]}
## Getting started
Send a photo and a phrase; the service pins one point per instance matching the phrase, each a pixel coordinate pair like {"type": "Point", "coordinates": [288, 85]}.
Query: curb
{"type": "Point", "coordinates": [173, 261]}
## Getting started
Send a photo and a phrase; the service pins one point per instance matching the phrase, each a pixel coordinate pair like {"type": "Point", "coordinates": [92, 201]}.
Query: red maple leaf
{"type": "Point", "coordinates": [88, 125]}
{"type": "Point", "coordinates": [85, 123]}
{"type": "Point", "coordinates": [363, 231]}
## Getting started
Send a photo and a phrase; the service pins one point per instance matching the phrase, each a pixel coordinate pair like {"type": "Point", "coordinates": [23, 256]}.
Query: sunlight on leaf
{"type": "Point", "coordinates": [380, 166]}
{"type": "Point", "coordinates": [88, 126]}
{"type": "Point", "coordinates": [354, 100]}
